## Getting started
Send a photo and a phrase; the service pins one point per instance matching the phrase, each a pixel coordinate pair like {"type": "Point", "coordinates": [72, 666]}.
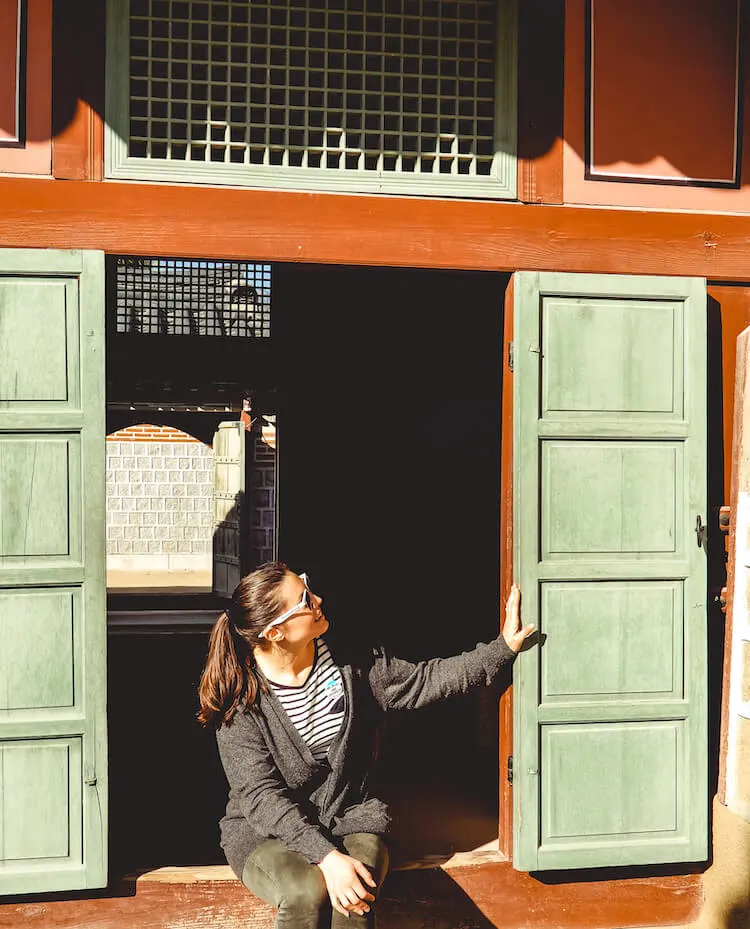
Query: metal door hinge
{"type": "Point", "coordinates": [720, 597]}
{"type": "Point", "coordinates": [725, 518]}
{"type": "Point", "coordinates": [511, 356]}
{"type": "Point", "coordinates": [510, 769]}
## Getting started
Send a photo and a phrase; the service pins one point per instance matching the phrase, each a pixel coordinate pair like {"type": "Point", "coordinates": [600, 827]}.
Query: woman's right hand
{"type": "Point", "coordinates": [513, 632]}
{"type": "Point", "coordinates": [345, 878]}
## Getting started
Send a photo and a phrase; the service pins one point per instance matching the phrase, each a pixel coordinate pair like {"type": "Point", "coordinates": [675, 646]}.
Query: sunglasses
{"type": "Point", "coordinates": [306, 603]}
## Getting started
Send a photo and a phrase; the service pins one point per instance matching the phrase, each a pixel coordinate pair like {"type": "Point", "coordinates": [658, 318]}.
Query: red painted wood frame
{"type": "Point", "coordinates": [26, 78]}
{"type": "Point", "coordinates": [78, 90]}
{"type": "Point", "coordinates": [541, 49]}
{"type": "Point", "coordinates": [11, 67]}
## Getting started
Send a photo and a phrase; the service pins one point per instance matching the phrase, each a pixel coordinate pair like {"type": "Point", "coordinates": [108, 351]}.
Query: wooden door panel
{"type": "Point", "coordinates": [611, 357]}
{"type": "Point", "coordinates": [42, 802]}
{"type": "Point", "coordinates": [610, 782]}
{"type": "Point", "coordinates": [610, 498]}
{"type": "Point", "coordinates": [42, 316]}
{"type": "Point", "coordinates": [610, 732]}
{"type": "Point", "coordinates": [40, 632]}
{"type": "Point", "coordinates": [53, 749]}
{"type": "Point", "coordinates": [38, 502]}
{"type": "Point", "coordinates": [630, 631]}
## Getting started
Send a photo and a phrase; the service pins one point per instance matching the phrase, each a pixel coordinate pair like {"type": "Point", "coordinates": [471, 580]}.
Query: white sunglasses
{"type": "Point", "coordinates": [306, 603]}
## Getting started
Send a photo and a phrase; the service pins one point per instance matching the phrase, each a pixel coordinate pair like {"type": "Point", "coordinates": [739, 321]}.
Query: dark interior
{"type": "Point", "coordinates": [387, 385]}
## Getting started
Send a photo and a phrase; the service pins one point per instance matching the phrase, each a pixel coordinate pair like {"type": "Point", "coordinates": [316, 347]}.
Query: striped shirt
{"type": "Point", "coordinates": [316, 708]}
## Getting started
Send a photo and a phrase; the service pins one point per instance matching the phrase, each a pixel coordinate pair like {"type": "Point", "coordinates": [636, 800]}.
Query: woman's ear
{"type": "Point", "coordinates": [274, 634]}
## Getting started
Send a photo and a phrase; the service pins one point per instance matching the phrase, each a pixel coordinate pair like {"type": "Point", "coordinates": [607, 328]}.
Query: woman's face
{"type": "Point", "coordinates": [306, 623]}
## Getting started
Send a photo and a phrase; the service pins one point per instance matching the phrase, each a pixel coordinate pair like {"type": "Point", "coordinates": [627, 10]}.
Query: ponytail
{"type": "Point", "coordinates": [228, 677]}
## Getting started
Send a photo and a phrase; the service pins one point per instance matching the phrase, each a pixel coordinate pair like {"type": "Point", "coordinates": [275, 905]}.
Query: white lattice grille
{"type": "Point", "coordinates": [184, 296]}
{"type": "Point", "coordinates": [386, 87]}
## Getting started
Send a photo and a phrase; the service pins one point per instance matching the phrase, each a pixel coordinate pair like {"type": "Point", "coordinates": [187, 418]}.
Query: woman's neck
{"type": "Point", "coordinates": [285, 665]}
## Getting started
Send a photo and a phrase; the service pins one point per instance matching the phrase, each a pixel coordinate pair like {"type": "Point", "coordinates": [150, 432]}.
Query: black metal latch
{"type": "Point", "coordinates": [699, 529]}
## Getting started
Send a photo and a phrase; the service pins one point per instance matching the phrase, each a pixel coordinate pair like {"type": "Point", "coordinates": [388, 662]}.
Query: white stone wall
{"type": "Point", "coordinates": [159, 505]}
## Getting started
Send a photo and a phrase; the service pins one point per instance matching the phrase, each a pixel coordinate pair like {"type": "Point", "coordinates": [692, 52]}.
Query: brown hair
{"type": "Point", "coordinates": [229, 677]}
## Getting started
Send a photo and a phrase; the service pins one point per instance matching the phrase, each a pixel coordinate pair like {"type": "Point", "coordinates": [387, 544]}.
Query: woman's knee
{"type": "Point", "coordinates": [371, 850]}
{"type": "Point", "coordinates": [284, 878]}
{"type": "Point", "coordinates": [305, 891]}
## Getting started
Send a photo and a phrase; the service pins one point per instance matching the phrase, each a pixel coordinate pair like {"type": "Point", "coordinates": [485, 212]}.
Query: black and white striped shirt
{"type": "Point", "coordinates": [316, 708]}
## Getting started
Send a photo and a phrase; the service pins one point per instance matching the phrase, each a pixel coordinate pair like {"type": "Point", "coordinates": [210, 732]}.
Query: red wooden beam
{"type": "Point", "coordinates": [161, 219]}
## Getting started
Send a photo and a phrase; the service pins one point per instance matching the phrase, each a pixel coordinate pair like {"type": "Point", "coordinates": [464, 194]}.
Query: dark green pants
{"type": "Point", "coordinates": [297, 889]}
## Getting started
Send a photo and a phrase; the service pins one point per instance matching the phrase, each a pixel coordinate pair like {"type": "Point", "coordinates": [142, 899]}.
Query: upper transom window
{"type": "Point", "coordinates": [404, 96]}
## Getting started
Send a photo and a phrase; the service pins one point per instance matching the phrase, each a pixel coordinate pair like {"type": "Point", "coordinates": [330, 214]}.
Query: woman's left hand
{"type": "Point", "coordinates": [513, 632]}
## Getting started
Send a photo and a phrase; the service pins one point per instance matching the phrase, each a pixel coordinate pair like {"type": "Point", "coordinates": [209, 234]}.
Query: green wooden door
{"type": "Point", "coordinates": [53, 744]}
{"type": "Point", "coordinates": [610, 742]}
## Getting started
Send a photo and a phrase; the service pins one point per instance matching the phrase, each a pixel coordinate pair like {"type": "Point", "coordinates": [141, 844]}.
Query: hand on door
{"type": "Point", "coordinates": [513, 632]}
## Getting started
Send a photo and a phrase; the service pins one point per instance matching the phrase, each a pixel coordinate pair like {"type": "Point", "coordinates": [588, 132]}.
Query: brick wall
{"type": "Point", "coordinates": [159, 501]}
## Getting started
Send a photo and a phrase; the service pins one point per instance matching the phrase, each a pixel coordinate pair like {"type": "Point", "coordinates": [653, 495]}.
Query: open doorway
{"type": "Point", "coordinates": [386, 490]}
{"type": "Point", "coordinates": [390, 500]}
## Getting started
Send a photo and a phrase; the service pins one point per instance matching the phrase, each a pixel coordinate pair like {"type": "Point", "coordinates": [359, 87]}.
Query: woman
{"type": "Point", "coordinates": [296, 727]}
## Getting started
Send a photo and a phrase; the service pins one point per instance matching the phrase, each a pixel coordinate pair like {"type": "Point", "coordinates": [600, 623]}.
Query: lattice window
{"type": "Point", "coordinates": [180, 296]}
{"type": "Point", "coordinates": [402, 95]}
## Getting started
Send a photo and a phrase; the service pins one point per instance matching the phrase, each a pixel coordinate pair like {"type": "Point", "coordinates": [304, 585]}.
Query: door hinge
{"type": "Point", "coordinates": [700, 530]}
{"type": "Point", "coordinates": [511, 356]}
{"type": "Point", "coordinates": [510, 769]}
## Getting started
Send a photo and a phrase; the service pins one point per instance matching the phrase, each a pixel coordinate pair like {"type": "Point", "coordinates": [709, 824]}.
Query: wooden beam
{"type": "Point", "coordinates": [153, 219]}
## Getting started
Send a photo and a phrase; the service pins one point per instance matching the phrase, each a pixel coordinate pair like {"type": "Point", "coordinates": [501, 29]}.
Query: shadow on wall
{"type": "Point", "coordinates": [738, 917]}
{"type": "Point", "coordinates": [651, 115]}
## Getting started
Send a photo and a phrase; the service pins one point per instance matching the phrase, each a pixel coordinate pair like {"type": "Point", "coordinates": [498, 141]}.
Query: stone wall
{"type": "Point", "coordinates": [159, 501]}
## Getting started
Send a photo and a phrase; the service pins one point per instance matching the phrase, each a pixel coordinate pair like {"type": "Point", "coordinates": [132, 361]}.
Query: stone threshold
{"type": "Point", "coordinates": [483, 855]}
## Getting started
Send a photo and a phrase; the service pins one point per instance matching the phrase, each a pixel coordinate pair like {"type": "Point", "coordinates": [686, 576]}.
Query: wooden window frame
{"type": "Point", "coordinates": [120, 165]}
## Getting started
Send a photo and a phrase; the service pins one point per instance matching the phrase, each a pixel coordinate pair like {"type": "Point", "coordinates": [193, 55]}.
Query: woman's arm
{"type": "Point", "coordinates": [404, 685]}
{"type": "Point", "coordinates": [256, 783]}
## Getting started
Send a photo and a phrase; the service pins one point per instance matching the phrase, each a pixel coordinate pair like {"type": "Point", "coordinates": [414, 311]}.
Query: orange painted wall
{"type": "Point", "coordinates": [663, 104]}
{"type": "Point", "coordinates": [34, 155]}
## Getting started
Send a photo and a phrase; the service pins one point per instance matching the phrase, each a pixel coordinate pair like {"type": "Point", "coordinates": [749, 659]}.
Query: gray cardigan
{"type": "Point", "coordinates": [277, 790]}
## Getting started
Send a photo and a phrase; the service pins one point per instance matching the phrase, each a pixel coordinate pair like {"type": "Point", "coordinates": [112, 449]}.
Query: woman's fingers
{"type": "Point", "coordinates": [364, 872]}
{"type": "Point", "coordinates": [352, 903]}
{"type": "Point", "coordinates": [513, 633]}
{"type": "Point", "coordinates": [361, 892]}
{"type": "Point", "coordinates": [337, 906]}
